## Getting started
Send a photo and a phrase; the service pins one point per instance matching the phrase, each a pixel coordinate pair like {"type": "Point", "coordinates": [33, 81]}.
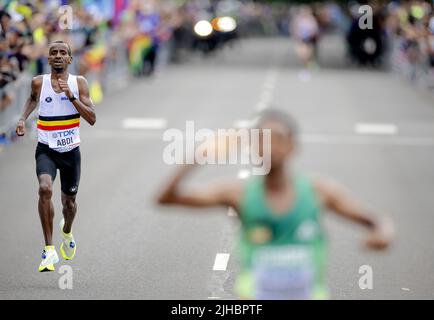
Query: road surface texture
{"type": "Point", "coordinates": [130, 248]}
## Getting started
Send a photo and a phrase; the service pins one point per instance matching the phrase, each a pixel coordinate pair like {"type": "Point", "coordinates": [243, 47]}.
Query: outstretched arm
{"type": "Point", "coordinates": [218, 194]}
{"type": "Point", "coordinates": [31, 104]}
{"type": "Point", "coordinates": [336, 199]}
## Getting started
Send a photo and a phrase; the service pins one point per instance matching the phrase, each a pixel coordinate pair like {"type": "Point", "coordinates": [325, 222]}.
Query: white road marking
{"type": "Point", "coordinates": [127, 134]}
{"type": "Point", "coordinates": [376, 128]}
{"type": "Point", "coordinates": [366, 140]}
{"type": "Point", "coordinates": [337, 139]}
{"type": "Point", "coordinates": [267, 96]}
{"type": "Point", "coordinates": [243, 174]}
{"type": "Point", "coordinates": [246, 123]}
{"type": "Point", "coordinates": [144, 123]}
{"type": "Point", "coordinates": [261, 105]}
{"type": "Point", "coordinates": [267, 92]}
{"type": "Point", "coordinates": [405, 289]}
{"type": "Point", "coordinates": [221, 262]}
{"type": "Point", "coordinates": [271, 74]}
{"type": "Point", "coordinates": [214, 298]}
{"type": "Point", "coordinates": [241, 124]}
{"type": "Point", "coordinates": [269, 85]}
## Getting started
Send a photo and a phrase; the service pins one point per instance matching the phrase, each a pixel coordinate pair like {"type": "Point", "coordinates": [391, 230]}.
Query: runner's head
{"type": "Point", "coordinates": [283, 135]}
{"type": "Point", "coordinates": [59, 56]}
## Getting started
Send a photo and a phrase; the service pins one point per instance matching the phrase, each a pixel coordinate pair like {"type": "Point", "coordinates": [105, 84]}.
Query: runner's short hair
{"type": "Point", "coordinates": [63, 42]}
{"type": "Point", "coordinates": [280, 117]}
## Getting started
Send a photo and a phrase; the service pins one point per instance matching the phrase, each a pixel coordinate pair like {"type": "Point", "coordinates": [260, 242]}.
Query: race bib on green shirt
{"type": "Point", "coordinates": [284, 272]}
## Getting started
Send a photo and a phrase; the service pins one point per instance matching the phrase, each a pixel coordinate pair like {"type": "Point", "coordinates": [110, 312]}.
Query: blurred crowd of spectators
{"type": "Point", "coordinates": [402, 33]}
{"type": "Point", "coordinates": [96, 31]}
{"type": "Point", "coordinates": [145, 35]}
{"type": "Point", "coordinates": [411, 25]}
{"type": "Point", "coordinates": [141, 34]}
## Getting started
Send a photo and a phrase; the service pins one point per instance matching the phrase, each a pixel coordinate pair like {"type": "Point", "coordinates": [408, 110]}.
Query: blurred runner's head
{"type": "Point", "coordinates": [59, 56]}
{"type": "Point", "coordinates": [284, 131]}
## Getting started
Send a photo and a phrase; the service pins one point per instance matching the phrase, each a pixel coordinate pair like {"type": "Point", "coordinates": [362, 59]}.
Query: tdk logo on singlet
{"type": "Point", "coordinates": [64, 138]}
{"type": "Point", "coordinates": [64, 98]}
{"type": "Point", "coordinates": [64, 134]}
{"type": "Point", "coordinates": [48, 99]}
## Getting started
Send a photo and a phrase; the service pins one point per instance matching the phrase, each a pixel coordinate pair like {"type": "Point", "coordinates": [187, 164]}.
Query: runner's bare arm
{"type": "Point", "coordinates": [336, 199]}
{"type": "Point", "coordinates": [219, 194]}
{"type": "Point", "coordinates": [83, 103]}
{"type": "Point", "coordinates": [31, 104]}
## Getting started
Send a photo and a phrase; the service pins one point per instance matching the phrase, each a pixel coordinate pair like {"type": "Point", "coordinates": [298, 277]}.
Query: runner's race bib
{"type": "Point", "coordinates": [284, 273]}
{"type": "Point", "coordinates": [64, 139]}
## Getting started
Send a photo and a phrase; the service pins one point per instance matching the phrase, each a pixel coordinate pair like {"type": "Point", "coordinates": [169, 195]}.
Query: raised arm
{"type": "Point", "coordinates": [336, 199]}
{"type": "Point", "coordinates": [30, 105]}
{"type": "Point", "coordinates": [217, 194]}
{"type": "Point", "coordinates": [83, 103]}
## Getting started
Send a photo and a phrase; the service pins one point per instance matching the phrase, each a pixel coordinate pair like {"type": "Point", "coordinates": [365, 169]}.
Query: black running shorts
{"type": "Point", "coordinates": [68, 163]}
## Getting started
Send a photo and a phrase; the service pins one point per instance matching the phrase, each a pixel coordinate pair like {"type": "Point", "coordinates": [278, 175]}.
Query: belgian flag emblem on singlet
{"type": "Point", "coordinates": [59, 123]}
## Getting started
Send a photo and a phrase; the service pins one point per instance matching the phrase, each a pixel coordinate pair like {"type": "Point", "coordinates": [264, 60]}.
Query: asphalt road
{"type": "Point", "coordinates": [129, 248]}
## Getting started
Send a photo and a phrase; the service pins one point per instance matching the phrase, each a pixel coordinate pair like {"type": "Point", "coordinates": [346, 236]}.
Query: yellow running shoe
{"type": "Point", "coordinates": [49, 259]}
{"type": "Point", "coordinates": [68, 246]}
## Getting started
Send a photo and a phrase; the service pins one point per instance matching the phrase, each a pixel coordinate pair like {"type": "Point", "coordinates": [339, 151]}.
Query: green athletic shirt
{"type": "Point", "coordinates": [296, 236]}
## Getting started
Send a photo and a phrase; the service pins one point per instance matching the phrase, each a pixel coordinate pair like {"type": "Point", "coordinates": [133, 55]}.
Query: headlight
{"type": "Point", "coordinates": [203, 28]}
{"type": "Point", "coordinates": [225, 24]}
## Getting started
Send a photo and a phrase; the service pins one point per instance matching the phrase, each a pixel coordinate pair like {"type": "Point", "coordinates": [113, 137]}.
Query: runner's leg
{"type": "Point", "coordinates": [46, 172]}
{"type": "Point", "coordinates": [69, 211]}
{"type": "Point", "coordinates": [45, 207]}
{"type": "Point", "coordinates": [70, 171]}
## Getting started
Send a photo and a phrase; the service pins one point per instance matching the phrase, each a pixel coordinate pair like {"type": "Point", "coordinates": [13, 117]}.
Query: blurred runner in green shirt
{"type": "Point", "coordinates": [282, 243]}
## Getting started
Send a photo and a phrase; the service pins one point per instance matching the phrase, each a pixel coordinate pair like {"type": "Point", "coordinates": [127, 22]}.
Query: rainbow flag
{"type": "Point", "coordinates": [139, 48]}
{"type": "Point", "coordinates": [95, 57]}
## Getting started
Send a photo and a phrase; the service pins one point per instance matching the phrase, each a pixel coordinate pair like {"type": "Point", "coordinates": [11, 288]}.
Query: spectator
{"type": "Point", "coordinates": [409, 27]}
{"type": "Point", "coordinates": [7, 73]}
{"type": "Point", "coordinates": [5, 22]}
